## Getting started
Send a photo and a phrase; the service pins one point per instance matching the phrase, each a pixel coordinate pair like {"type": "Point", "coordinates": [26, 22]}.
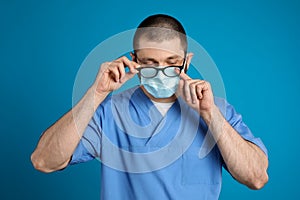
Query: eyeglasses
{"type": "Point", "coordinates": [150, 71]}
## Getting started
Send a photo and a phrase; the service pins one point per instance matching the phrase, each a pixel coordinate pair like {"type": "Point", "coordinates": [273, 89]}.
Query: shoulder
{"type": "Point", "coordinates": [226, 108]}
{"type": "Point", "coordinates": [118, 98]}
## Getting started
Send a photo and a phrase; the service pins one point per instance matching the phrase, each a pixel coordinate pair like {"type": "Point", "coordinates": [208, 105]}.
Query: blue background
{"type": "Point", "coordinates": [255, 45]}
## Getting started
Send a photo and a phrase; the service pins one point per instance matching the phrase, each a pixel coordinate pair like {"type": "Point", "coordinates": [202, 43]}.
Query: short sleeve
{"type": "Point", "coordinates": [235, 120]}
{"type": "Point", "coordinates": [89, 145]}
{"type": "Point", "coordinates": [80, 155]}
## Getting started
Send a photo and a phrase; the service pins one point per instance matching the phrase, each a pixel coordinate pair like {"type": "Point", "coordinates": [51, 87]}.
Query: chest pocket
{"type": "Point", "coordinates": [207, 170]}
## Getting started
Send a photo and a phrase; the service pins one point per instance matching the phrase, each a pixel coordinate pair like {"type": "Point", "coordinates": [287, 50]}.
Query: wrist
{"type": "Point", "coordinates": [211, 115]}
{"type": "Point", "coordinates": [215, 122]}
{"type": "Point", "coordinates": [96, 96]}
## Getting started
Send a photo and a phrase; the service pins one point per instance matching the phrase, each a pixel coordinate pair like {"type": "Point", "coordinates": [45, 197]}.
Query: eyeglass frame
{"type": "Point", "coordinates": [181, 67]}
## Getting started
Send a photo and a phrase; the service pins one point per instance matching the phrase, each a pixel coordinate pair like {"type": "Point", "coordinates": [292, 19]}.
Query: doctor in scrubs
{"type": "Point", "coordinates": [167, 138]}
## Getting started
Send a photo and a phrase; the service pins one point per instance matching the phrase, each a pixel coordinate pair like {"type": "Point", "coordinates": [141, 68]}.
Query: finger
{"type": "Point", "coordinates": [121, 70]}
{"type": "Point", "coordinates": [187, 92]}
{"type": "Point", "coordinates": [130, 64]}
{"type": "Point", "coordinates": [180, 86]}
{"type": "Point", "coordinates": [193, 91]}
{"type": "Point", "coordinates": [127, 77]}
{"type": "Point", "coordinates": [184, 76]}
{"type": "Point", "coordinates": [201, 87]}
{"type": "Point", "coordinates": [103, 68]}
{"type": "Point", "coordinates": [114, 71]}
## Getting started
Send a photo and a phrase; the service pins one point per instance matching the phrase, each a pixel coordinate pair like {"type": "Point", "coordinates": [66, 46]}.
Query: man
{"type": "Point", "coordinates": [133, 132]}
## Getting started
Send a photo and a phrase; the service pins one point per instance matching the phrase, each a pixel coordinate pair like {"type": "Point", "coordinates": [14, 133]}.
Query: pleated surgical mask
{"type": "Point", "coordinates": [160, 86]}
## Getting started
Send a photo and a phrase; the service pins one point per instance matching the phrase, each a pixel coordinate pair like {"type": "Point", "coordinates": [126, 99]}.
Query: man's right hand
{"type": "Point", "coordinates": [112, 75]}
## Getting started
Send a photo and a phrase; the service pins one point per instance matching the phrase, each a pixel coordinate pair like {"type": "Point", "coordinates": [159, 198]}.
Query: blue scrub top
{"type": "Point", "coordinates": [145, 155]}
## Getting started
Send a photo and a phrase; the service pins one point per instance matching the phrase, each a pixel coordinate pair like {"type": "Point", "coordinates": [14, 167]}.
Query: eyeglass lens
{"type": "Point", "coordinates": [149, 72]}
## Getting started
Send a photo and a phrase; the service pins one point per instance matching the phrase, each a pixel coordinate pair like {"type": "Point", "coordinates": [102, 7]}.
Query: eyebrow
{"type": "Point", "coordinates": [154, 60]}
{"type": "Point", "coordinates": [173, 57]}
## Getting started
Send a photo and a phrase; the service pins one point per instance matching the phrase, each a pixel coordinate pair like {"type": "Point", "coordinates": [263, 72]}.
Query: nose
{"type": "Point", "coordinates": [160, 74]}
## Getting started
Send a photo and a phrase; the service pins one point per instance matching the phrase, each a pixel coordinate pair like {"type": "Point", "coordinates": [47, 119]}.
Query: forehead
{"type": "Point", "coordinates": [160, 50]}
{"type": "Point", "coordinates": [157, 55]}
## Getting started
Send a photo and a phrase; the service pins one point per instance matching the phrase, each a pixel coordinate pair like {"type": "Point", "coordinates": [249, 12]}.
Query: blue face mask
{"type": "Point", "coordinates": [160, 86]}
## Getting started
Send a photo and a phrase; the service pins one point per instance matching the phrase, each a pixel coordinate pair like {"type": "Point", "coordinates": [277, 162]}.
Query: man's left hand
{"type": "Point", "coordinates": [198, 95]}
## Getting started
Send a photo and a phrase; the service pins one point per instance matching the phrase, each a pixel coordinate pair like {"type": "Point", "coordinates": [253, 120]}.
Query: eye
{"type": "Point", "coordinates": [173, 62]}
{"type": "Point", "coordinates": [149, 63]}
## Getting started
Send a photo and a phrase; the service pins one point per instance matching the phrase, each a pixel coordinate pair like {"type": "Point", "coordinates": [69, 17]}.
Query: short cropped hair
{"type": "Point", "coordinates": [158, 28]}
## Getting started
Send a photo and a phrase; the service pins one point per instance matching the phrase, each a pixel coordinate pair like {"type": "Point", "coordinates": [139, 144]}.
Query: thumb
{"type": "Point", "coordinates": [127, 76]}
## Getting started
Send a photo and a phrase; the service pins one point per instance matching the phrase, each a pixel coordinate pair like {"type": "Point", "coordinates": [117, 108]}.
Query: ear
{"type": "Point", "coordinates": [133, 57]}
{"type": "Point", "coordinates": [188, 61]}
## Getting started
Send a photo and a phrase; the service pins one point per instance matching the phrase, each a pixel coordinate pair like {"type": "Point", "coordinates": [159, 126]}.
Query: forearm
{"type": "Point", "coordinates": [58, 142]}
{"type": "Point", "coordinates": [246, 162]}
